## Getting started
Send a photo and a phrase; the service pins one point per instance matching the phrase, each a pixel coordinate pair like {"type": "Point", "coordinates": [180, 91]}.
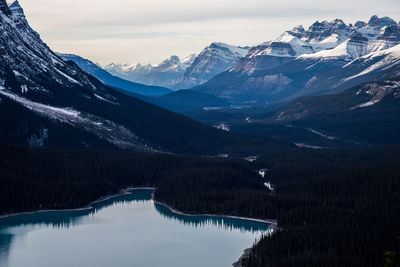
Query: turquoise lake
{"type": "Point", "coordinates": [126, 231]}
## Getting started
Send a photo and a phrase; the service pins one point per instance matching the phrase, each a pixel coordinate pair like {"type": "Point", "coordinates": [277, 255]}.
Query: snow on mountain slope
{"type": "Point", "coordinates": [376, 61]}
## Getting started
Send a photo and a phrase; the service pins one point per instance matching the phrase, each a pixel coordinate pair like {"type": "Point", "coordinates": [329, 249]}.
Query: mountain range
{"type": "Point", "coordinates": [328, 57]}
{"type": "Point", "coordinates": [176, 74]}
{"type": "Point", "coordinates": [46, 101]}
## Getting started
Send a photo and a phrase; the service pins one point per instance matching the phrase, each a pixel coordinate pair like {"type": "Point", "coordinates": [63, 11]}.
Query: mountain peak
{"type": "Point", "coordinates": [4, 8]}
{"type": "Point", "coordinates": [298, 29]}
{"type": "Point", "coordinates": [336, 24]}
{"type": "Point", "coordinates": [360, 24]}
{"type": "Point", "coordinates": [174, 59]}
{"type": "Point", "coordinates": [17, 10]}
{"type": "Point", "coordinates": [376, 21]}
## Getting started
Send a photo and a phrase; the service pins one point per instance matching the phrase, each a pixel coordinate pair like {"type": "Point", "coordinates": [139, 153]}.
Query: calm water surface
{"type": "Point", "coordinates": [127, 231]}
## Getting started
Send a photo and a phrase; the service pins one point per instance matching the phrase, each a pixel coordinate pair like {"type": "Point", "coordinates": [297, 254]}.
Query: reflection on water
{"type": "Point", "coordinates": [66, 219]}
{"type": "Point", "coordinates": [221, 222]}
{"type": "Point", "coordinates": [13, 230]}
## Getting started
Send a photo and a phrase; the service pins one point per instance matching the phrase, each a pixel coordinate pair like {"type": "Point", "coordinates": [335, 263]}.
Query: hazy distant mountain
{"type": "Point", "coordinates": [167, 74]}
{"type": "Point", "coordinates": [306, 62]}
{"type": "Point", "coordinates": [108, 79]}
{"type": "Point", "coordinates": [180, 74]}
{"type": "Point", "coordinates": [128, 72]}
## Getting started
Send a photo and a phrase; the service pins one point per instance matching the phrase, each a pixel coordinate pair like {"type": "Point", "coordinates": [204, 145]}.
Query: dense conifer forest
{"type": "Point", "coordinates": [334, 207]}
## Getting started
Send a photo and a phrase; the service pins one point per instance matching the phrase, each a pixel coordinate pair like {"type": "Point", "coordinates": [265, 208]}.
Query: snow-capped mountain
{"type": "Point", "coordinates": [116, 82]}
{"type": "Point", "coordinates": [321, 59]}
{"type": "Point", "coordinates": [322, 40]}
{"type": "Point", "coordinates": [167, 73]}
{"type": "Point", "coordinates": [183, 73]}
{"type": "Point", "coordinates": [128, 72]}
{"type": "Point", "coordinates": [376, 35]}
{"type": "Point", "coordinates": [214, 59]}
{"type": "Point", "coordinates": [46, 101]}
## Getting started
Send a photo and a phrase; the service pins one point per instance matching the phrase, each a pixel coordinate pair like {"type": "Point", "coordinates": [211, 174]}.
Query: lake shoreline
{"type": "Point", "coordinates": [122, 192]}
{"type": "Point", "coordinates": [273, 224]}
{"type": "Point", "coordinates": [128, 191]}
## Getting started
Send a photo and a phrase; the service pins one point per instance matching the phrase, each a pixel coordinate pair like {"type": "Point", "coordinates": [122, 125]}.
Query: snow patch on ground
{"type": "Point", "coordinates": [68, 77]}
{"type": "Point", "coordinates": [263, 172]}
{"type": "Point", "coordinates": [223, 127]}
{"type": "Point", "coordinates": [251, 158]}
{"type": "Point", "coordinates": [367, 104]}
{"type": "Point", "coordinates": [301, 145]}
{"type": "Point", "coordinates": [17, 74]}
{"type": "Point", "coordinates": [24, 89]}
{"type": "Point", "coordinates": [106, 100]}
{"type": "Point", "coordinates": [212, 108]}
{"type": "Point", "coordinates": [269, 186]}
{"type": "Point", "coordinates": [322, 135]}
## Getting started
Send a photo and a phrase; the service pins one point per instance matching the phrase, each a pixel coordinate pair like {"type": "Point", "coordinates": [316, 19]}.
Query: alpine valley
{"type": "Point", "coordinates": [288, 150]}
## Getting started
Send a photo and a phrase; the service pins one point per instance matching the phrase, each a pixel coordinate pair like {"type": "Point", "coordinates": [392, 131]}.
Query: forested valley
{"type": "Point", "coordinates": [334, 207]}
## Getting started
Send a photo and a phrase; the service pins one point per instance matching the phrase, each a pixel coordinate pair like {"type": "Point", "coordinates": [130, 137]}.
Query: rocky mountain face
{"type": "Point", "coordinates": [322, 59]}
{"type": "Point", "coordinates": [45, 101]}
{"type": "Point", "coordinates": [186, 73]}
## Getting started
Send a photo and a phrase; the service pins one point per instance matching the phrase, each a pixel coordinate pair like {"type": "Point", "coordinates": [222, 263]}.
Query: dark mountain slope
{"type": "Point", "coordinates": [369, 113]}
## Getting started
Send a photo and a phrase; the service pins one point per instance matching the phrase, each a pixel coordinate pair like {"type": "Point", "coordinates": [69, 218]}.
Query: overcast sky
{"type": "Point", "coordinates": [147, 31]}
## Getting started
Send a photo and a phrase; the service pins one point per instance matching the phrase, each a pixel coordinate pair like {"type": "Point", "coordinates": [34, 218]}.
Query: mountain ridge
{"type": "Point", "coordinates": [182, 74]}
{"type": "Point", "coordinates": [298, 62]}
